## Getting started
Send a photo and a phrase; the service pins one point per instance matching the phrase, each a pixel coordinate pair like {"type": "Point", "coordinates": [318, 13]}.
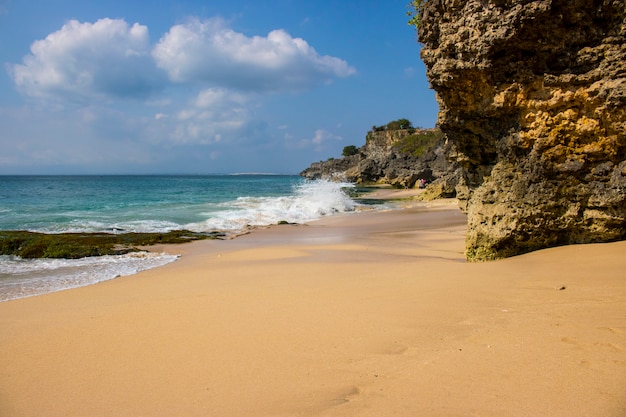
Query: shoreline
{"type": "Point", "coordinates": [366, 314]}
{"type": "Point", "coordinates": [29, 244]}
{"type": "Point", "coordinates": [57, 251]}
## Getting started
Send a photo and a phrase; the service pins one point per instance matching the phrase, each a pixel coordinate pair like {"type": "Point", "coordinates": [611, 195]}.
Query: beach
{"type": "Point", "coordinates": [364, 314]}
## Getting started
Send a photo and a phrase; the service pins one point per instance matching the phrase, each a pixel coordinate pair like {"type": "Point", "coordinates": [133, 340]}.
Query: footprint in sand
{"type": "Point", "coordinates": [572, 341]}
{"type": "Point", "coordinates": [395, 349]}
{"type": "Point", "coordinates": [612, 330]}
{"type": "Point", "coordinates": [613, 346]}
{"type": "Point", "coordinates": [346, 396]}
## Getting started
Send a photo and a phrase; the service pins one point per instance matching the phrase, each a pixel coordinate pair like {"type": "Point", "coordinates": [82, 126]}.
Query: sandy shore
{"type": "Point", "coordinates": [373, 314]}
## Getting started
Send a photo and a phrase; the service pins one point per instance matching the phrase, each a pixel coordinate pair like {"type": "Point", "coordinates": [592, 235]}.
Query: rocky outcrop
{"type": "Point", "coordinates": [333, 169]}
{"type": "Point", "coordinates": [397, 157]}
{"type": "Point", "coordinates": [532, 95]}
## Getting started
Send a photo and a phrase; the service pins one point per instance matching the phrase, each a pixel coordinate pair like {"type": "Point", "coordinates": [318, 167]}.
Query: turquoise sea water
{"type": "Point", "coordinates": [116, 204]}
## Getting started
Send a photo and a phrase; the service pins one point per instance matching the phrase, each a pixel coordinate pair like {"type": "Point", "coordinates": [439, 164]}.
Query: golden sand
{"type": "Point", "coordinates": [371, 314]}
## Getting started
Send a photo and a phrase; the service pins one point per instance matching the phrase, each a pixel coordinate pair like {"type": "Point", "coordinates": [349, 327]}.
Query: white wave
{"type": "Point", "coordinates": [21, 278]}
{"type": "Point", "coordinates": [91, 226]}
{"type": "Point", "coordinates": [311, 200]}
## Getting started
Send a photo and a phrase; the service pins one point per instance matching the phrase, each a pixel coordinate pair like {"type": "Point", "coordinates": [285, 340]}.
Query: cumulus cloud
{"type": "Point", "coordinates": [322, 137]}
{"type": "Point", "coordinates": [112, 59]}
{"type": "Point", "coordinates": [213, 114]}
{"type": "Point", "coordinates": [209, 52]}
{"type": "Point", "coordinates": [318, 142]}
{"type": "Point", "coordinates": [107, 58]}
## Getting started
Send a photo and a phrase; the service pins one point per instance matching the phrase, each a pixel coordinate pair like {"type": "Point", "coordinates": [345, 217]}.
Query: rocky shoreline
{"type": "Point", "coordinates": [29, 245]}
{"type": "Point", "coordinates": [397, 157]}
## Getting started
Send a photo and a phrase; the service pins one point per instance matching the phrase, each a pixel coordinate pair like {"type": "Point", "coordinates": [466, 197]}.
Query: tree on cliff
{"type": "Point", "coordinates": [349, 150]}
{"type": "Point", "coordinates": [394, 125]}
{"type": "Point", "coordinates": [400, 124]}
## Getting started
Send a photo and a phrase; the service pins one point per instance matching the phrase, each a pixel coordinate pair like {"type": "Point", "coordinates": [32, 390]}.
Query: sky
{"type": "Point", "coordinates": [201, 87]}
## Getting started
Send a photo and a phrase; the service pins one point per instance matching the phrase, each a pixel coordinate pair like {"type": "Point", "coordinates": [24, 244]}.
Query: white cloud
{"type": "Point", "coordinates": [112, 59]}
{"type": "Point", "coordinates": [318, 142]}
{"type": "Point", "coordinates": [209, 52]}
{"type": "Point", "coordinates": [218, 97]}
{"type": "Point", "coordinates": [86, 138]}
{"type": "Point", "coordinates": [107, 58]}
{"type": "Point", "coordinates": [323, 136]}
{"type": "Point", "coordinates": [213, 114]}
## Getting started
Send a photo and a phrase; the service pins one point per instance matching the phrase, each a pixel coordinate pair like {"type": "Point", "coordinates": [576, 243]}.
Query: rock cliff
{"type": "Point", "coordinates": [532, 95]}
{"type": "Point", "coordinates": [399, 157]}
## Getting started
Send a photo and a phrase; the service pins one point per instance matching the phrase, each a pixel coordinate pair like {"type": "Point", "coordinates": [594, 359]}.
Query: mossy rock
{"type": "Point", "coordinates": [80, 245]}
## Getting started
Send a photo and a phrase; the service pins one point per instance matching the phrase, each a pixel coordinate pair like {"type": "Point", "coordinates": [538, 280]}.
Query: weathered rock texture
{"type": "Point", "coordinates": [384, 160]}
{"type": "Point", "coordinates": [533, 96]}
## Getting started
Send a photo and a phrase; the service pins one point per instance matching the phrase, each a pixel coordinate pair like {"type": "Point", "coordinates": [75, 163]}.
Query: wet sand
{"type": "Point", "coordinates": [370, 314]}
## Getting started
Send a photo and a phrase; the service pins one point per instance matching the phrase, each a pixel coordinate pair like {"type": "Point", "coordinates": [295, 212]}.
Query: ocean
{"type": "Point", "coordinates": [118, 204]}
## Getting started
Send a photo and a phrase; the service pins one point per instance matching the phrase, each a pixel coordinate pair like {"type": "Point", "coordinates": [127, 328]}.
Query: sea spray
{"type": "Point", "coordinates": [310, 201]}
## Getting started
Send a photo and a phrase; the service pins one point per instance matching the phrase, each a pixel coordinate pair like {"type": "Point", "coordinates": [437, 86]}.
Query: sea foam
{"type": "Point", "coordinates": [21, 278]}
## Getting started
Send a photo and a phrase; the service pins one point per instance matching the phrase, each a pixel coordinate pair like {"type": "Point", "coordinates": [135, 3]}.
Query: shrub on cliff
{"type": "Point", "coordinates": [399, 124]}
{"type": "Point", "coordinates": [350, 150]}
{"type": "Point", "coordinates": [415, 12]}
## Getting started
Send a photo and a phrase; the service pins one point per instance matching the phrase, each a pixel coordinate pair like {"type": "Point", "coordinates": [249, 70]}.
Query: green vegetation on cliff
{"type": "Point", "coordinates": [415, 12]}
{"type": "Point", "coordinates": [350, 150]}
{"type": "Point", "coordinates": [399, 124]}
{"type": "Point", "coordinates": [419, 142]}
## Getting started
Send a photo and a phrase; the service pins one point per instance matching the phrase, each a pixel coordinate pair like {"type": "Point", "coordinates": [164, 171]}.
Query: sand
{"type": "Point", "coordinates": [371, 314]}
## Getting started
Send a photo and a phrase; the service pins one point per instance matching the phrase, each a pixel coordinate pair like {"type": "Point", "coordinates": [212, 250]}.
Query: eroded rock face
{"type": "Point", "coordinates": [533, 96]}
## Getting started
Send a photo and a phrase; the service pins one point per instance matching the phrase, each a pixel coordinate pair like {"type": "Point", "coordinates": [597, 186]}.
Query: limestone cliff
{"type": "Point", "coordinates": [532, 95]}
{"type": "Point", "coordinates": [399, 157]}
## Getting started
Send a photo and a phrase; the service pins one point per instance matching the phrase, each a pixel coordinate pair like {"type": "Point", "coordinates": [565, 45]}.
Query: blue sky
{"type": "Point", "coordinates": [198, 87]}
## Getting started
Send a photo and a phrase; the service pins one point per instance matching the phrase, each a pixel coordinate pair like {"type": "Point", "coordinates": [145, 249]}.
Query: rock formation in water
{"type": "Point", "coordinates": [399, 157]}
{"type": "Point", "coordinates": [532, 96]}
